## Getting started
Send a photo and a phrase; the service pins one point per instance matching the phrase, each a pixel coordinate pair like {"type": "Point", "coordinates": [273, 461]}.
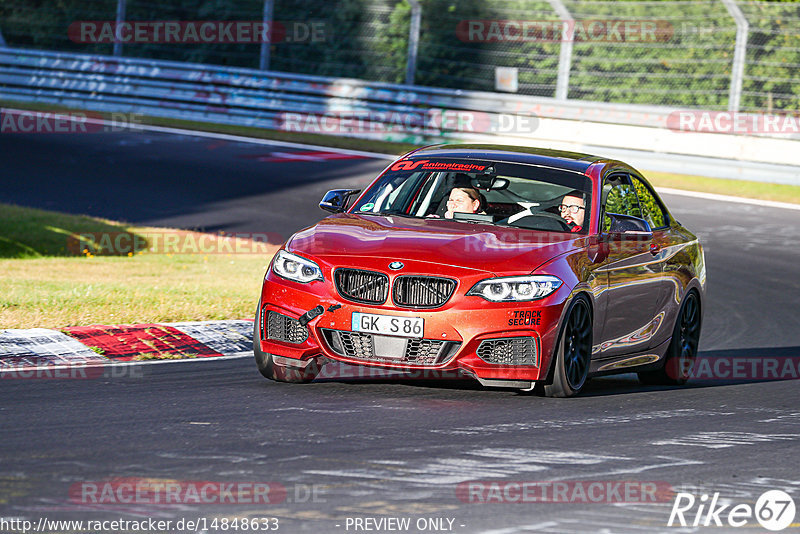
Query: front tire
{"type": "Point", "coordinates": [279, 373]}
{"type": "Point", "coordinates": [574, 352]}
{"type": "Point", "coordinates": [682, 350]}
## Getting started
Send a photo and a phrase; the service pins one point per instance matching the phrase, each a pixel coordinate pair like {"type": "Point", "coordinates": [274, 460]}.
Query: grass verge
{"type": "Point", "coordinates": [45, 284]}
{"type": "Point", "coordinates": [734, 188]}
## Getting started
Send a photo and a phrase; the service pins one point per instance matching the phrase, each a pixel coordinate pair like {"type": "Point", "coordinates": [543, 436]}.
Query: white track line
{"type": "Point", "coordinates": [211, 135]}
{"type": "Point", "coordinates": [378, 155]}
{"type": "Point", "coordinates": [259, 141]}
{"type": "Point", "coordinates": [728, 198]}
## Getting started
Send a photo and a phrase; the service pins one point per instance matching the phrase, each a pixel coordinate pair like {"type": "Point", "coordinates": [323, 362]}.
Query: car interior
{"type": "Point", "coordinates": [507, 200]}
{"type": "Point", "coordinates": [529, 199]}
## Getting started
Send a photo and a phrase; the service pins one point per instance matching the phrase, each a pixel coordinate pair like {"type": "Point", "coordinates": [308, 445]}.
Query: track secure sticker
{"type": "Point", "coordinates": [525, 318]}
{"type": "Point", "coordinates": [428, 165]}
{"type": "Point", "coordinates": [368, 206]}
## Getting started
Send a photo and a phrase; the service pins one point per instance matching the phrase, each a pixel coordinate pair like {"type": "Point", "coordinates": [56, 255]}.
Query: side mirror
{"type": "Point", "coordinates": [627, 224]}
{"type": "Point", "coordinates": [335, 200]}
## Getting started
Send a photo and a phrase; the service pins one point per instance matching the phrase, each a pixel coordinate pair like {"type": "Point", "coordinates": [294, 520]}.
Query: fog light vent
{"type": "Point", "coordinates": [509, 351]}
{"type": "Point", "coordinates": [283, 328]}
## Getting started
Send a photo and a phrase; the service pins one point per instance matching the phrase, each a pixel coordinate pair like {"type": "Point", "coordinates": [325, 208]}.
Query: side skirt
{"type": "Point", "coordinates": [628, 363]}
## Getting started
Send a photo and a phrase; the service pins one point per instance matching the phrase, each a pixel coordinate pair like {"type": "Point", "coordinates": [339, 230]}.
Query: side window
{"type": "Point", "coordinates": [651, 209]}
{"type": "Point", "coordinates": [620, 197]}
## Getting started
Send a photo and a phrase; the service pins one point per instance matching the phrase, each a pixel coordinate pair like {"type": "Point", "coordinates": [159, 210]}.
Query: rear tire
{"type": "Point", "coordinates": [682, 350]}
{"type": "Point", "coordinates": [574, 352]}
{"type": "Point", "coordinates": [279, 373]}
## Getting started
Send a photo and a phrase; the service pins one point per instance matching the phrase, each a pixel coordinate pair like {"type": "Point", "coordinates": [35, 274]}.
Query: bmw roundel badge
{"type": "Point", "coordinates": [396, 265]}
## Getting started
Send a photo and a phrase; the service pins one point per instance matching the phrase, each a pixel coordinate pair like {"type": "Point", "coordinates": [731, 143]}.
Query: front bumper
{"type": "Point", "coordinates": [453, 336]}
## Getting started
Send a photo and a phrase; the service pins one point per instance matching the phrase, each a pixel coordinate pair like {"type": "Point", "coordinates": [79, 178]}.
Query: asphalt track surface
{"type": "Point", "coordinates": [379, 448]}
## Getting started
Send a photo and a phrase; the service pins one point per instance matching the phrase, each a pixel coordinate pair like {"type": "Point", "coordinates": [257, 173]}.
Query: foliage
{"type": "Point", "coordinates": [635, 200]}
{"type": "Point", "coordinates": [689, 65]}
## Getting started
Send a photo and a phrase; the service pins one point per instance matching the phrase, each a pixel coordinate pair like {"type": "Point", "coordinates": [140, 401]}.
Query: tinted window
{"type": "Point", "coordinates": [651, 209]}
{"type": "Point", "coordinates": [620, 197]}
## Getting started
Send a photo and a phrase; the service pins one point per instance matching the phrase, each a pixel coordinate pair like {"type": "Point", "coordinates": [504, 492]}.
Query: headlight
{"type": "Point", "coordinates": [516, 288]}
{"type": "Point", "coordinates": [295, 268]}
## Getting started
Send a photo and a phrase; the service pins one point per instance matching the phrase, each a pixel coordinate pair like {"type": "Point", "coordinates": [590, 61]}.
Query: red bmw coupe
{"type": "Point", "coordinates": [518, 267]}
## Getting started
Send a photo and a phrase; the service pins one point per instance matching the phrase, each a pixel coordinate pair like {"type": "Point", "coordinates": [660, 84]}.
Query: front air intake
{"type": "Point", "coordinates": [365, 287]}
{"type": "Point", "coordinates": [282, 328]}
{"type": "Point", "coordinates": [509, 351]}
{"type": "Point", "coordinates": [387, 349]}
{"type": "Point", "coordinates": [422, 291]}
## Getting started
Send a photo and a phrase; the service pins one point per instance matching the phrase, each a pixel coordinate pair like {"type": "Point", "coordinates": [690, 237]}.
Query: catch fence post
{"type": "Point", "coordinates": [565, 54]}
{"type": "Point", "coordinates": [120, 20]}
{"type": "Point", "coordinates": [413, 41]}
{"type": "Point", "coordinates": [266, 37]}
{"type": "Point", "coordinates": [740, 50]}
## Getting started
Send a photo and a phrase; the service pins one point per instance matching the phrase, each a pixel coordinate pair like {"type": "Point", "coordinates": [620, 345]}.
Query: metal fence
{"type": "Point", "coordinates": [272, 100]}
{"type": "Point", "coordinates": [127, 88]}
{"type": "Point", "coordinates": [710, 54]}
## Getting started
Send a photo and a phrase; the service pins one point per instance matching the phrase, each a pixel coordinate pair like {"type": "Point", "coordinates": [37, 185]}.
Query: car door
{"type": "Point", "coordinates": [633, 273]}
{"type": "Point", "coordinates": [668, 249]}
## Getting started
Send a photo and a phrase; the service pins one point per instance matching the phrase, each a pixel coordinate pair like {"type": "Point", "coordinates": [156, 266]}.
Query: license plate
{"type": "Point", "coordinates": [388, 325]}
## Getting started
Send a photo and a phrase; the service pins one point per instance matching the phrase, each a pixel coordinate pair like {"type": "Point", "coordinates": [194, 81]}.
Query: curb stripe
{"type": "Point", "coordinates": [41, 346]}
{"type": "Point", "coordinates": [224, 337]}
{"type": "Point", "coordinates": [24, 350]}
{"type": "Point", "coordinates": [129, 342]}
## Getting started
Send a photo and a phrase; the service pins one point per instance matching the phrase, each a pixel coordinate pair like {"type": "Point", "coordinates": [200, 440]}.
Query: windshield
{"type": "Point", "coordinates": [504, 194]}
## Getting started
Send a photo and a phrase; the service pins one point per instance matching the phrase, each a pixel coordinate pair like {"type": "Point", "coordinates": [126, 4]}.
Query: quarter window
{"type": "Point", "coordinates": [651, 209]}
{"type": "Point", "coordinates": [620, 197]}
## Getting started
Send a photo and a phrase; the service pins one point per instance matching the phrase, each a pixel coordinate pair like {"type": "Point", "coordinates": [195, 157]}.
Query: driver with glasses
{"type": "Point", "coordinates": [573, 209]}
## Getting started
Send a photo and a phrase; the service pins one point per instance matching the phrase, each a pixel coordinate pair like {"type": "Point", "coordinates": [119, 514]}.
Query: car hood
{"type": "Point", "coordinates": [480, 247]}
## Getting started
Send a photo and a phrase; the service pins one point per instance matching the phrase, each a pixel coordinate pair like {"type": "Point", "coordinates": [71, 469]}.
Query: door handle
{"type": "Point", "coordinates": [654, 248]}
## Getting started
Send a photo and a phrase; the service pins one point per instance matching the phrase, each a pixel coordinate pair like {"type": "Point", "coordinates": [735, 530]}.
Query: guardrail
{"type": "Point", "coordinates": [206, 89]}
{"type": "Point", "coordinates": [358, 108]}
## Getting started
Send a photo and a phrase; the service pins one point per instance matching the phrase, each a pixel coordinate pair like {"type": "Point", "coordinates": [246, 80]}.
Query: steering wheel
{"type": "Point", "coordinates": [544, 215]}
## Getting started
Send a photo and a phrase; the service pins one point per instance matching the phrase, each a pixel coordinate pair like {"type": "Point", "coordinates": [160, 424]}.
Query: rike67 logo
{"type": "Point", "coordinates": [774, 510]}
